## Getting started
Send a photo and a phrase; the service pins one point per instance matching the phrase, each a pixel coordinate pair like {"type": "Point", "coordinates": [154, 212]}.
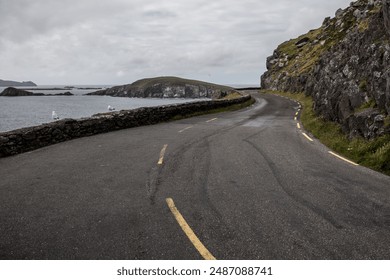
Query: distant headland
{"type": "Point", "coordinates": [4, 83]}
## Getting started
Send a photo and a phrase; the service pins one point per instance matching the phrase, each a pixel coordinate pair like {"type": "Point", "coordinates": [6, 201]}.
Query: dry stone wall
{"type": "Point", "coordinates": [31, 138]}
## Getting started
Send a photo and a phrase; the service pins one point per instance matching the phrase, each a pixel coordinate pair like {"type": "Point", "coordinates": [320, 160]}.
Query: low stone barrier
{"type": "Point", "coordinates": [31, 138]}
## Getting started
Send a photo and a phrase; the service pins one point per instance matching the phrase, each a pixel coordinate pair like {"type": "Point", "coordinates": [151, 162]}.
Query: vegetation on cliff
{"type": "Point", "coordinates": [344, 66]}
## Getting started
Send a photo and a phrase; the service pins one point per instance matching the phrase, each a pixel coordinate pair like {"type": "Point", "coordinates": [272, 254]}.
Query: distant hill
{"type": "Point", "coordinates": [11, 91]}
{"type": "Point", "coordinates": [4, 83]}
{"type": "Point", "coordinates": [167, 87]}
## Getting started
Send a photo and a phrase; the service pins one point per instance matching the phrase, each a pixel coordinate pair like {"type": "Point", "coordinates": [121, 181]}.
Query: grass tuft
{"type": "Point", "coordinates": [367, 105]}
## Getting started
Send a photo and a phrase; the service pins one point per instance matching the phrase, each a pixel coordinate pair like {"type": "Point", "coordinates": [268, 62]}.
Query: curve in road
{"type": "Point", "coordinates": [250, 184]}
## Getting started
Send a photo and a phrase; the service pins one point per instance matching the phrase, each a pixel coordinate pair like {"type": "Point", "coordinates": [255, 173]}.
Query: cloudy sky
{"type": "Point", "coordinates": [108, 42]}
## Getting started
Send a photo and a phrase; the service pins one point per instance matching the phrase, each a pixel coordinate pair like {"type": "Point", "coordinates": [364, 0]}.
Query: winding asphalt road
{"type": "Point", "coordinates": [248, 184]}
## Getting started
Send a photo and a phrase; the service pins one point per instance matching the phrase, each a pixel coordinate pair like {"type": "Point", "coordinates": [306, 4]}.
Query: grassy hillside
{"type": "Point", "coordinates": [175, 81]}
{"type": "Point", "coordinates": [301, 59]}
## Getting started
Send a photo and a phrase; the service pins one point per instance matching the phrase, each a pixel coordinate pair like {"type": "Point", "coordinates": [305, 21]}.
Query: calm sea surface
{"type": "Point", "coordinates": [18, 112]}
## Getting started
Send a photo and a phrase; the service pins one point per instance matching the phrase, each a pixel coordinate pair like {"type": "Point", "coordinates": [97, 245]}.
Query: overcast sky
{"type": "Point", "coordinates": [119, 41]}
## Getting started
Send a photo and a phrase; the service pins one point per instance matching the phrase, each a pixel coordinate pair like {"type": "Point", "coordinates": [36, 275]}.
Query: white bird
{"type": "Point", "coordinates": [54, 115]}
{"type": "Point", "coordinates": [110, 108]}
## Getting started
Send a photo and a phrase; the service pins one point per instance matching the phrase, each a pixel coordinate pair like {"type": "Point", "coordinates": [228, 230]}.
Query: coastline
{"type": "Point", "coordinates": [31, 138]}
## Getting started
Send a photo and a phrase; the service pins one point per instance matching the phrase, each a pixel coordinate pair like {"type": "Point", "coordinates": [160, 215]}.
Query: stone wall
{"type": "Point", "coordinates": [31, 138]}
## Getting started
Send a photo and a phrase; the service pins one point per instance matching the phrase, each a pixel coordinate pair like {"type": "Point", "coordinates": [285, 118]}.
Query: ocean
{"type": "Point", "coordinates": [19, 112]}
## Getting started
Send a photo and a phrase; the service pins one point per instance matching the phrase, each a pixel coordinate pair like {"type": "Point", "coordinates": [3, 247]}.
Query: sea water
{"type": "Point", "coordinates": [19, 112]}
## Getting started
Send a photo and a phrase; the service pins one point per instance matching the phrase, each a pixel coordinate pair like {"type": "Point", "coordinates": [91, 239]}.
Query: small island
{"type": "Point", "coordinates": [14, 92]}
{"type": "Point", "coordinates": [168, 87]}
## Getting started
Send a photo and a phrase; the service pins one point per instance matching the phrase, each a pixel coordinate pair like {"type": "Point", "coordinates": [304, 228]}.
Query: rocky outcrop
{"type": "Point", "coordinates": [386, 15]}
{"type": "Point", "coordinates": [14, 92]}
{"type": "Point", "coordinates": [16, 84]}
{"type": "Point", "coordinates": [11, 91]}
{"type": "Point", "coordinates": [30, 138]}
{"type": "Point", "coordinates": [344, 65]}
{"type": "Point", "coordinates": [167, 87]}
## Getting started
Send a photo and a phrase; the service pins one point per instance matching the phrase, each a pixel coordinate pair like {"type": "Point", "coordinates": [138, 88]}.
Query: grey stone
{"type": "Point", "coordinates": [339, 12]}
{"type": "Point", "coordinates": [359, 14]}
{"type": "Point", "coordinates": [4, 139]}
{"type": "Point", "coordinates": [302, 42]}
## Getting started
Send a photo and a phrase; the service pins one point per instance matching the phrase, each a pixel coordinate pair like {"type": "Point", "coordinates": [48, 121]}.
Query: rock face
{"type": "Point", "coordinates": [344, 65]}
{"type": "Point", "coordinates": [13, 92]}
{"type": "Point", "coordinates": [167, 87]}
{"type": "Point", "coordinates": [386, 15]}
{"type": "Point", "coordinates": [16, 84]}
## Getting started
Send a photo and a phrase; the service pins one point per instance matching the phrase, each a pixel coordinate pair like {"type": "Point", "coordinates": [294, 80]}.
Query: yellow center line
{"type": "Point", "coordinates": [162, 153]}
{"type": "Point", "coordinates": [295, 118]}
{"type": "Point", "coordinates": [298, 125]}
{"type": "Point", "coordinates": [189, 232]}
{"type": "Point", "coordinates": [186, 129]}
{"type": "Point", "coordinates": [296, 114]}
{"type": "Point", "coordinates": [212, 120]}
{"type": "Point", "coordinates": [344, 159]}
{"type": "Point", "coordinates": [304, 134]}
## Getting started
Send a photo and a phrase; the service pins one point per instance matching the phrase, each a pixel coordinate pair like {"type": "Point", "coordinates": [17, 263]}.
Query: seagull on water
{"type": "Point", "coordinates": [54, 115]}
{"type": "Point", "coordinates": [110, 108]}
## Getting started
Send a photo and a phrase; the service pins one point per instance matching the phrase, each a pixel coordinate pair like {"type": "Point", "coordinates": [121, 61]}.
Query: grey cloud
{"type": "Point", "coordinates": [159, 14]}
{"type": "Point", "coordinates": [118, 41]}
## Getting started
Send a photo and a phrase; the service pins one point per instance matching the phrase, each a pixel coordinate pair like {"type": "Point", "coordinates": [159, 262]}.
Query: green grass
{"type": "Point", "coordinates": [374, 154]}
{"type": "Point", "coordinates": [367, 105]}
{"type": "Point", "coordinates": [363, 25]}
{"type": "Point", "coordinates": [309, 54]}
{"type": "Point", "coordinates": [387, 121]}
{"type": "Point", "coordinates": [363, 85]}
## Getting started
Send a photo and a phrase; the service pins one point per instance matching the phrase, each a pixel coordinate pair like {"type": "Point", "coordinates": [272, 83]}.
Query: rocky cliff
{"type": "Point", "coordinates": [344, 65]}
{"type": "Point", "coordinates": [167, 87]}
